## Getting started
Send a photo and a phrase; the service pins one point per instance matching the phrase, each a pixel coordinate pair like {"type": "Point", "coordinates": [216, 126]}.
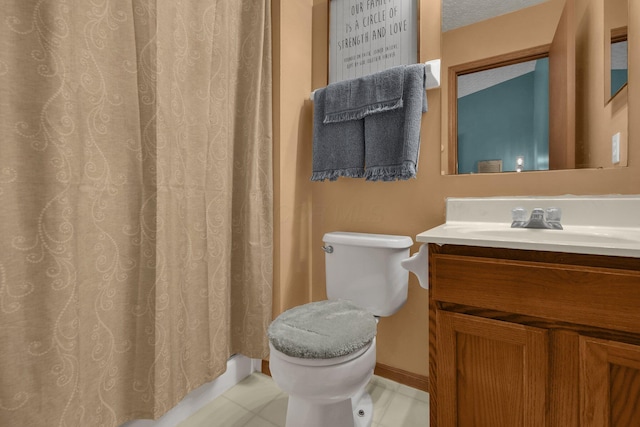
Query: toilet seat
{"type": "Point", "coordinates": [324, 330]}
{"type": "Point", "coordinates": [320, 362]}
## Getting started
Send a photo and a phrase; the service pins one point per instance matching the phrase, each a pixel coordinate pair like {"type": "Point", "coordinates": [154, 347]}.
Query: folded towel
{"type": "Point", "coordinates": [357, 98]}
{"type": "Point", "coordinates": [392, 138]}
{"type": "Point", "coordinates": [338, 148]}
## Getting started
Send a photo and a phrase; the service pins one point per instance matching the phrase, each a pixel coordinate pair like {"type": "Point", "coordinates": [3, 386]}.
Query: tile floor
{"type": "Point", "coordinates": [257, 402]}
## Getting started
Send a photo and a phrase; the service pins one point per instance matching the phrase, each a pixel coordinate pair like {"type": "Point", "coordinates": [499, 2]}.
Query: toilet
{"type": "Point", "coordinates": [323, 353]}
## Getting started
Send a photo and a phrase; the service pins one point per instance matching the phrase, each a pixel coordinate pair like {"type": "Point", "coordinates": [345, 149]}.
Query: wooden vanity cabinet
{"type": "Point", "coordinates": [526, 338]}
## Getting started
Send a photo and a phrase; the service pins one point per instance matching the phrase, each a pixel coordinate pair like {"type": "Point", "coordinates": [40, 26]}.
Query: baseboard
{"type": "Point", "coordinates": [421, 382]}
{"type": "Point", "coordinates": [265, 368]}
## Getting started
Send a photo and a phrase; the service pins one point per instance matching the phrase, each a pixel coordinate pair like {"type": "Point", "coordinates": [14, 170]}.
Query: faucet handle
{"type": "Point", "coordinates": [519, 215]}
{"type": "Point", "coordinates": [553, 214]}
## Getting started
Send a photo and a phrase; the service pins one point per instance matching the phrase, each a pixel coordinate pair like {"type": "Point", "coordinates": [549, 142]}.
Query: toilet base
{"type": "Point", "coordinates": [346, 413]}
{"type": "Point", "coordinates": [363, 410]}
{"type": "Point", "coordinates": [302, 413]}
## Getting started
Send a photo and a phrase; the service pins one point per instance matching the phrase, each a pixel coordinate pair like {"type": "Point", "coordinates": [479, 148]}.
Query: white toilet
{"type": "Point", "coordinates": [323, 353]}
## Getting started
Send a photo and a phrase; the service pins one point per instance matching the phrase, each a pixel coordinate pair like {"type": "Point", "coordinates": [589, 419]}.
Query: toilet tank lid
{"type": "Point", "coordinates": [367, 239]}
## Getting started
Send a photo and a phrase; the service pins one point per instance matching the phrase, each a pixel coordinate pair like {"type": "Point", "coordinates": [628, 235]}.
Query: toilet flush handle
{"type": "Point", "coordinates": [328, 249]}
{"type": "Point", "coordinates": [418, 264]}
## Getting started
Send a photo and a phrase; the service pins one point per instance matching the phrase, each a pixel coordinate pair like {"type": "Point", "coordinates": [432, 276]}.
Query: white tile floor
{"type": "Point", "coordinates": [257, 402]}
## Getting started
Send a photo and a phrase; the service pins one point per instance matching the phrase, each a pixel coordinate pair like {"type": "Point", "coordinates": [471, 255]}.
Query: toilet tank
{"type": "Point", "coordinates": [365, 268]}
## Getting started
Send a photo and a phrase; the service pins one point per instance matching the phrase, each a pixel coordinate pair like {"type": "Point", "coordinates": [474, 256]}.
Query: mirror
{"type": "Point", "coordinates": [615, 43]}
{"type": "Point", "coordinates": [618, 65]}
{"type": "Point", "coordinates": [582, 118]}
{"type": "Point", "coordinates": [503, 117]}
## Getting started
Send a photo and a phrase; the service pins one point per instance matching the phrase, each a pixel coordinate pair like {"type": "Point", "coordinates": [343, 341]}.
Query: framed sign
{"type": "Point", "coordinates": [367, 36]}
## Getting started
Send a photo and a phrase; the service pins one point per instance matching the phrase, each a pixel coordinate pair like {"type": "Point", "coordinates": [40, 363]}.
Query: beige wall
{"type": "Point", "coordinates": [305, 211]}
{"type": "Point", "coordinates": [292, 60]}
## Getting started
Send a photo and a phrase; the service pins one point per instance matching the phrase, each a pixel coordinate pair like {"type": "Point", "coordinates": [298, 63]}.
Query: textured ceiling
{"type": "Point", "coordinates": [474, 82]}
{"type": "Point", "coordinates": [458, 13]}
{"type": "Point", "coordinates": [619, 56]}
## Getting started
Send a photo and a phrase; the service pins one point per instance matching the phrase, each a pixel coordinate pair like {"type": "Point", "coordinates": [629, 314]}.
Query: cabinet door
{"type": "Point", "coordinates": [490, 373]}
{"type": "Point", "coordinates": [609, 383]}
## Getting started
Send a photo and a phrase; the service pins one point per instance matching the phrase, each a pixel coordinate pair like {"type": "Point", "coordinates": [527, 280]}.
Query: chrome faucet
{"type": "Point", "coordinates": [540, 218]}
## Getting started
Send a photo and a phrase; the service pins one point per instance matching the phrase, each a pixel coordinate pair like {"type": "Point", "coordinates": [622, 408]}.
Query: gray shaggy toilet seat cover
{"type": "Point", "coordinates": [322, 330]}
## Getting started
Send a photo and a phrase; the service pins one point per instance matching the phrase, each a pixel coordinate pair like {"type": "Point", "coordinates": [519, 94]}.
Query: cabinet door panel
{"type": "Point", "coordinates": [490, 373]}
{"type": "Point", "coordinates": [609, 383]}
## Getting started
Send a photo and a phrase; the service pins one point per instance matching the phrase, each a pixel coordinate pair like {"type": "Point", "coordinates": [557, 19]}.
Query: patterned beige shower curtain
{"type": "Point", "coordinates": [135, 203]}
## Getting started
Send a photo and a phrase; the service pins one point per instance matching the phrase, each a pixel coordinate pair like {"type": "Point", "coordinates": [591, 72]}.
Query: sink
{"type": "Point", "coordinates": [577, 235]}
{"type": "Point", "coordinates": [601, 225]}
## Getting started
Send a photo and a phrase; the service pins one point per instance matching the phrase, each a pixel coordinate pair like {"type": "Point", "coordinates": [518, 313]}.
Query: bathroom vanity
{"type": "Point", "coordinates": [529, 328]}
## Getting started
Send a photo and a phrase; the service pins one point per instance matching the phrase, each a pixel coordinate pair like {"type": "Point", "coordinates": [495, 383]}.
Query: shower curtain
{"type": "Point", "coordinates": [135, 203]}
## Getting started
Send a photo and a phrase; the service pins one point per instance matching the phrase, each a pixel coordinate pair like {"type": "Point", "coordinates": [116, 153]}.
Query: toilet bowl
{"type": "Point", "coordinates": [323, 353]}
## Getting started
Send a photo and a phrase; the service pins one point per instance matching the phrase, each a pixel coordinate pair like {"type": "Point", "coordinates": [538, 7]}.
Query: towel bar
{"type": "Point", "coordinates": [433, 75]}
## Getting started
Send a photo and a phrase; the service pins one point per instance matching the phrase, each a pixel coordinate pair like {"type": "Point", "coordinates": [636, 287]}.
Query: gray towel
{"type": "Point", "coordinates": [392, 138]}
{"type": "Point", "coordinates": [357, 98]}
{"type": "Point", "coordinates": [338, 148]}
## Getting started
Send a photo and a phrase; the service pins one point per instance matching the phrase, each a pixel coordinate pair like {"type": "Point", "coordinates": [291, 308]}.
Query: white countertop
{"type": "Point", "coordinates": [600, 225]}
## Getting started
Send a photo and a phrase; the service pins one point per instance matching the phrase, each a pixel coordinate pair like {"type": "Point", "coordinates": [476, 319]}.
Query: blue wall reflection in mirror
{"type": "Point", "coordinates": [503, 114]}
